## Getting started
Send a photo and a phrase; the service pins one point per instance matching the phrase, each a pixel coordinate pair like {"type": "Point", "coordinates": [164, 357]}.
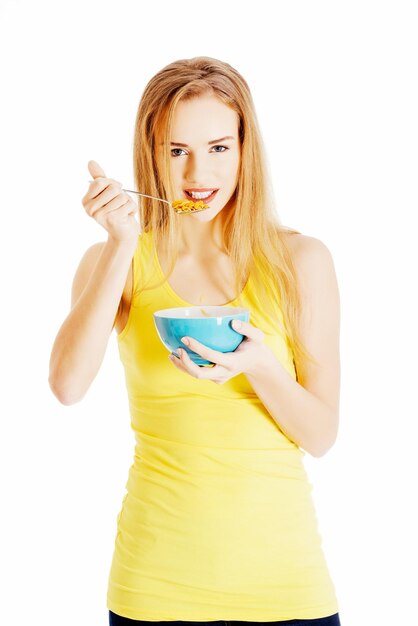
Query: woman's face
{"type": "Point", "coordinates": [209, 156]}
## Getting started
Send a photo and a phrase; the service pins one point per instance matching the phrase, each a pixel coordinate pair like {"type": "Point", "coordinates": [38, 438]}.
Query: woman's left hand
{"type": "Point", "coordinates": [244, 360]}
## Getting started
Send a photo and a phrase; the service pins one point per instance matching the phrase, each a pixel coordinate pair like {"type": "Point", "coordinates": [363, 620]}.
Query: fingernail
{"type": "Point", "coordinates": [185, 341]}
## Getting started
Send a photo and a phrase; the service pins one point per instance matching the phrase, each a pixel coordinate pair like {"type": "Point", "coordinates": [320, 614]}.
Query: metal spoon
{"type": "Point", "coordinates": [162, 200]}
{"type": "Point", "coordinates": [171, 205]}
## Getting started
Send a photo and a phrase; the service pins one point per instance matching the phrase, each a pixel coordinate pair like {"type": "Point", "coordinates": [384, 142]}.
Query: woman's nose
{"type": "Point", "coordinates": [196, 170]}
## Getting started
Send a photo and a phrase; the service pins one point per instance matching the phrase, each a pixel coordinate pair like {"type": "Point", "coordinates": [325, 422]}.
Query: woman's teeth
{"type": "Point", "coordinates": [200, 195]}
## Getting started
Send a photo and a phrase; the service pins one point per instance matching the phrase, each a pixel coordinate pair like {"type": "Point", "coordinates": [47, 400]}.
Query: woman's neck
{"type": "Point", "coordinates": [200, 239]}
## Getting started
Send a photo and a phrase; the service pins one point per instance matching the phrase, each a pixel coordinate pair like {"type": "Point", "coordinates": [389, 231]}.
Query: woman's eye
{"type": "Point", "coordinates": [181, 150]}
{"type": "Point", "coordinates": [174, 149]}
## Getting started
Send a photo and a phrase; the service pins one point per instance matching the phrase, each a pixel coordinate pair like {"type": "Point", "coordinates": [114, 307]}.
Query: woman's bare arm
{"type": "Point", "coordinates": [81, 342]}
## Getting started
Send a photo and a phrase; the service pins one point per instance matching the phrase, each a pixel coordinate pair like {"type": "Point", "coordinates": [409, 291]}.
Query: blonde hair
{"type": "Point", "coordinates": [254, 237]}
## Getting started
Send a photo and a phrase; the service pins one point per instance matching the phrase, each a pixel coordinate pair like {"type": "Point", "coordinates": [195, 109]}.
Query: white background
{"type": "Point", "coordinates": [333, 83]}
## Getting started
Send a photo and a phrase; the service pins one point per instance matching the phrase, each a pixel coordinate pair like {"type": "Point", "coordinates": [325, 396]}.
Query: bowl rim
{"type": "Point", "coordinates": [230, 311]}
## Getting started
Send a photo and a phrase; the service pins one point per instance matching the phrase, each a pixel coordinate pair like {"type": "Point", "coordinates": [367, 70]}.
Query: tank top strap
{"type": "Point", "coordinates": [142, 261]}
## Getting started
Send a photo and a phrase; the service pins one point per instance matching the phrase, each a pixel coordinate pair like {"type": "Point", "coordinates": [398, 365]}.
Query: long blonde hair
{"type": "Point", "coordinates": [254, 237]}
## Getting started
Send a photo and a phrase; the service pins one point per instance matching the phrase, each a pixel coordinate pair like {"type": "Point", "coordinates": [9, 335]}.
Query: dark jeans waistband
{"type": "Point", "coordinates": [330, 620]}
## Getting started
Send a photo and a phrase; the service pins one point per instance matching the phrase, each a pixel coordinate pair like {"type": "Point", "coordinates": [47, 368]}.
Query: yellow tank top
{"type": "Point", "coordinates": [217, 522]}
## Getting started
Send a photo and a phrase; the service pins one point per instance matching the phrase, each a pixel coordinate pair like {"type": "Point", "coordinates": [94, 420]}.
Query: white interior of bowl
{"type": "Point", "coordinates": [200, 311]}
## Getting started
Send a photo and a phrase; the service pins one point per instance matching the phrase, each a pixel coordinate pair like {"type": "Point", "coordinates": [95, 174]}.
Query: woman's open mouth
{"type": "Point", "coordinates": [201, 195]}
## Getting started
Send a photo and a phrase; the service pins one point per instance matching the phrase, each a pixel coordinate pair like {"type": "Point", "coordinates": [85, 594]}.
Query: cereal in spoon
{"type": "Point", "coordinates": [188, 206]}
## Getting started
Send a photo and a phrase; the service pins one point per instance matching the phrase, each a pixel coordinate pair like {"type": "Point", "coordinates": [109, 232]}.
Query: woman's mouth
{"type": "Point", "coordinates": [201, 195]}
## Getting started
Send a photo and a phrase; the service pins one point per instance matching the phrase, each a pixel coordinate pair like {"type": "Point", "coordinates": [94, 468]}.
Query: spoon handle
{"type": "Point", "coordinates": [142, 194]}
{"type": "Point", "coordinates": [146, 195]}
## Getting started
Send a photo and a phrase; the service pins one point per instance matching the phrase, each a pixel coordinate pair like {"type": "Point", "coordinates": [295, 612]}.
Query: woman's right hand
{"type": "Point", "coordinates": [111, 207]}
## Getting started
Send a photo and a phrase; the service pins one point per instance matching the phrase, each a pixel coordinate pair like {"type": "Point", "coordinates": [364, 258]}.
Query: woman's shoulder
{"type": "Point", "coordinates": [311, 258]}
{"type": "Point", "coordinates": [304, 248]}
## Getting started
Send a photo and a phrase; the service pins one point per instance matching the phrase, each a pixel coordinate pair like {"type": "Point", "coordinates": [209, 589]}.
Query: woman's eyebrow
{"type": "Point", "coordinates": [184, 145]}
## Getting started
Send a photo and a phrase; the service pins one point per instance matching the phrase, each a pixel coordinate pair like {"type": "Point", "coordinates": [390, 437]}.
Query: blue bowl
{"type": "Point", "coordinates": [210, 325]}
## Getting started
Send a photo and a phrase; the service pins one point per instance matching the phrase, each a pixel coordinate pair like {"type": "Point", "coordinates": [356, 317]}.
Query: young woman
{"type": "Point", "coordinates": [218, 523]}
